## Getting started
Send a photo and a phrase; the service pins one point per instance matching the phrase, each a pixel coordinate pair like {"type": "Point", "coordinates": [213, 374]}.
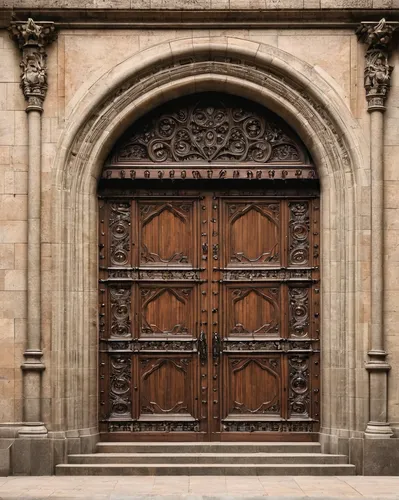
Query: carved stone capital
{"type": "Point", "coordinates": [377, 71]}
{"type": "Point", "coordinates": [32, 38]}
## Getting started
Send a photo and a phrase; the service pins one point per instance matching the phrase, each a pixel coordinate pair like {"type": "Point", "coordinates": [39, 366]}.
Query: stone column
{"type": "Point", "coordinates": [377, 77]}
{"type": "Point", "coordinates": [32, 39]}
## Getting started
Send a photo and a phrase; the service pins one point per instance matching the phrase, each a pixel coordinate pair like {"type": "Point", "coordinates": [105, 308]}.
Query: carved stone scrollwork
{"type": "Point", "coordinates": [377, 71]}
{"type": "Point", "coordinates": [32, 38]}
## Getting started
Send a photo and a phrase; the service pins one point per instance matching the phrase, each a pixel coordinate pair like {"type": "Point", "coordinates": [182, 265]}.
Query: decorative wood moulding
{"type": "Point", "coordinates": [377, 71]}
{"type": "Point", "coordinates": [32, 38]}
{"type": "Point", "coordinates": [209, 137]}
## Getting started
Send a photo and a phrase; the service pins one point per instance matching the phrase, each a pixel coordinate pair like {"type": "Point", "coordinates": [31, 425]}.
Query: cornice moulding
{"type": "Point", "coordinates": [199, 18]}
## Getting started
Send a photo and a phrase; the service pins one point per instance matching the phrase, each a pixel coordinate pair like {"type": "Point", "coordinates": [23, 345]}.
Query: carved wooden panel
{"type": "Point", "coordinates": [253, 386]}
{"type": "Point", "coordinates": [166, 236]}
{"type": "Point", "coordinates": [209, 314]}
{"type": "Point", "coordinates": [253, 233]}
{"type": "Point", "coordinates": [166, 310]}
{"type": "Point", "coordinates": [166, 386]}
{"type": "Point", "coordinates": [253, 310]}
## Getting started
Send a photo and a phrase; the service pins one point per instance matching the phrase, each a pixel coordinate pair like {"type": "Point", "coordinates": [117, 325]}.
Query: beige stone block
{"type": "Point", "coordinates": [9, 64]}
{"type": "Point", "coordinates": [20, 328]}
{"type": "Point", "coordinates": [7, 256]}
{"type": "Point", "coordinates": [320, 50]}
{"type": "Point", "coordinates": [391, 132]}
{"type": "Point", "coordinates": [19, 157]}
{"type": "Point", "coordinates": [8, 185]}
{"type": "Point", "coordinates": [12, 304]}
{"type": "Point", "coordinates": [4, 155]}
{"type": "Point", "coordinates": [391, 190]}
{"type": "Point", "coordinates": [15, 97]}
{"type": "Point", "coordinates": [6, 127]}
{"type": "Point", "coordinates": [21, 182]}
{"type": "Point", "coordinates": [21, 128]}
{"type": "Point", "coordinates": [7, 355]}
{"type": "Point", "coordinates": [15, 280]}
{"type": "Point", "coordinates": [6, 330]}
{"type": "Point", "coordinates": [6, 409]}
{"type": "Point", "coordinates": [13, 232]}
{"type": "Point", "coordinates": [21, 256]}
{"type": "Point", "coordinates": [3, 96]}
{"type": "Point", "coordinates": [49, 152]}
{"type": "Point", "coordinates": [86, 56]}
{"type": "Point", "coordinates": [13, 207]}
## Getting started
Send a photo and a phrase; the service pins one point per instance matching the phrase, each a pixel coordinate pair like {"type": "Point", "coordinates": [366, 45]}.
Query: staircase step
{"type": "Point", "coordinates": [244, 447]}
{"type": "Point", "coordinates": [205, 470]}
{"type": "Point", "coordinates": [207, 458]}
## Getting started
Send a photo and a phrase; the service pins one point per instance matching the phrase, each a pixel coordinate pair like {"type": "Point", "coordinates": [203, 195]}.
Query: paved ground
{"type": "Point", "coordinates": [199, 487]}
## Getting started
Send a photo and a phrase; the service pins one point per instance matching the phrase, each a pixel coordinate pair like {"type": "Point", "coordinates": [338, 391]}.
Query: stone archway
{"type": "Point", "coordinates": [287, 86]}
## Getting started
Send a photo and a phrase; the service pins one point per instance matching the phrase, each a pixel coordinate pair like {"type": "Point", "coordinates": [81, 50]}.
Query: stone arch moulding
{"type": "Point", "coordinates": [307, 100]}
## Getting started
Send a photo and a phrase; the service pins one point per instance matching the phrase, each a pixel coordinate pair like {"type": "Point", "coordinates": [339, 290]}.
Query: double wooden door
{"type": "Point", "coordinates": [209, 315]}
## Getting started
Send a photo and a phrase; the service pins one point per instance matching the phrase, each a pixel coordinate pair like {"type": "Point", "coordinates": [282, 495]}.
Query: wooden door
{"type": "Point", "coordinates": [209, 315]}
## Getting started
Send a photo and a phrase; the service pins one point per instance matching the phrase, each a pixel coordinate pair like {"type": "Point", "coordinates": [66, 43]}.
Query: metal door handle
{"type": "Point", "coordinates": [215, 345]}
{"type": "Point", "coordinates": [202, 347]}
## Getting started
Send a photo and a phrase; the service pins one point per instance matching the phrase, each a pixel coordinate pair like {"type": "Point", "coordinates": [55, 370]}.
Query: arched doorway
{"type": "Point", "coordinates": [209, 277]}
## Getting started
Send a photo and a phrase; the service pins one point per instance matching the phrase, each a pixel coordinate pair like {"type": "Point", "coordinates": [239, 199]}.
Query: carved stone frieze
{"type": "Point", "coordinates": [377, 71]}
{"type": "Point", "coordinates": [32, 38]}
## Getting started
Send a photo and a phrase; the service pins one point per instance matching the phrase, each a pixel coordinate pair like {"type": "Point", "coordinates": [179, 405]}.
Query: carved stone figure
{"type": "Point", "coordinates": [377, 72]}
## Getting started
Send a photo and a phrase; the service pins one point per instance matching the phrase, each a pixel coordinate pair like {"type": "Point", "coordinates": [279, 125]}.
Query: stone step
{"type": "Point", "coordinates": [189, 447]}
{"type": "Point", "coordinates": [205, 470]}
{"type": "Point", "coordinates": [207, 458]}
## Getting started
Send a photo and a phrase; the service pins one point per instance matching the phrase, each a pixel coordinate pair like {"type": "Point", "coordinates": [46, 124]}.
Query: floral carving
{"type": "Point", "coordinates": [299, 312]}
{"type": "Point", "coordinates": [299, 398]}
{"type": "Point", "coordinates": [119, 221]}
{"type": "Point", "coordinates": [377, 71]}
{"type": "Point", "coordinates": [299, 233]}
{"type": "Point", "coordinates": [120, 382]}
{"type": "Point", "coordinates": [209, 130]}
{"type": "Point", "coordinates": [120, 312]}
{"type": "Point", "coordinates": [31, 39]}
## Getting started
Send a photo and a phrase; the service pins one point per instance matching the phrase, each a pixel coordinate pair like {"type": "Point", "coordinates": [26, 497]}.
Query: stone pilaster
{"type": "Point", "coordinates": [377, 79]}
{"type": "Point", "coordinates": [32, 38]}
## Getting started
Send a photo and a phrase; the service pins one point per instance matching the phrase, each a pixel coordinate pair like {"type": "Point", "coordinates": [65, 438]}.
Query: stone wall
{"type": "Point", "coordinates": [85, 66]}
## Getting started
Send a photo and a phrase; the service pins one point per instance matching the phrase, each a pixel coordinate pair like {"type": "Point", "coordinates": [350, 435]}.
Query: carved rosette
{"type": "Point", "coordinates": [377, 71]}
{"type": "Point", "coordinates": [32, 38]}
